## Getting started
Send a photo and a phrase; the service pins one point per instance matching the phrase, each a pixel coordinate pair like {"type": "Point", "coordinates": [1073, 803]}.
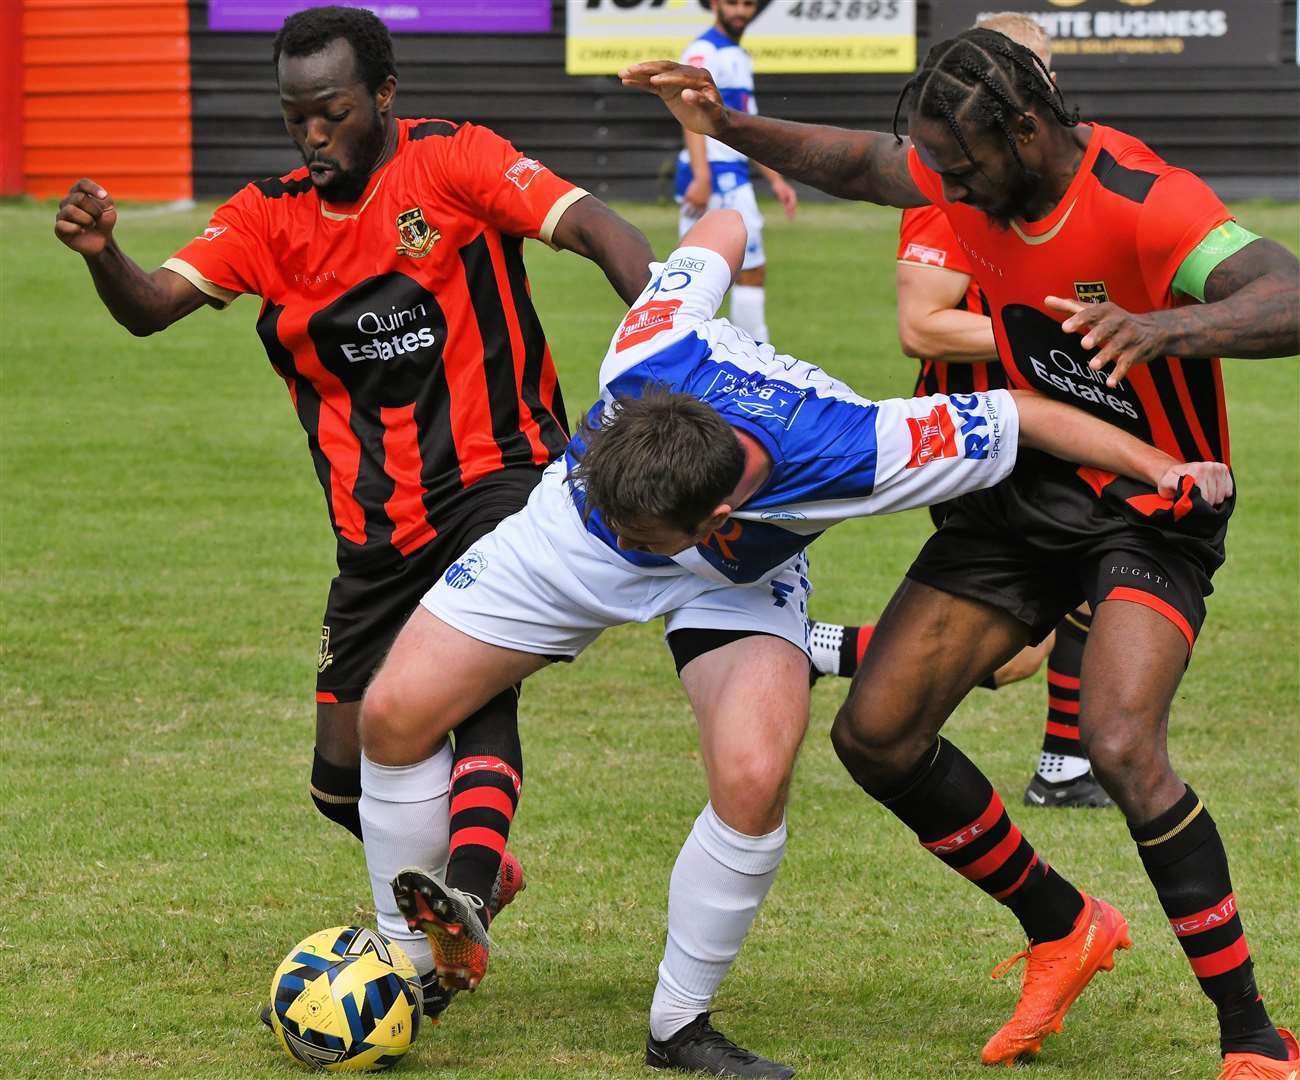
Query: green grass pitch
{"type": "Point", "coordinates": [165, 562]}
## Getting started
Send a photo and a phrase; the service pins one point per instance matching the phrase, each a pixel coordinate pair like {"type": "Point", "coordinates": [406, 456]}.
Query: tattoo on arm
{"type": "Point", "coordinates": [866, 165]}
{"type": "Point", "coordinates": [1252, 307]}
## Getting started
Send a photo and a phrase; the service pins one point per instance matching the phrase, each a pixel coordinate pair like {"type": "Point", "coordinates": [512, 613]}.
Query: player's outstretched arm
{"type": "Point", "coordinates": [867, 165]}
{"type": "Point", "coordinates": [1073, 435]}
{"type": "Point", "coordinates": [1251, 309]}
{"type": "Point", "coordinates": [594, 231]}
{"type": "Point", "coordinates": [142, 302]}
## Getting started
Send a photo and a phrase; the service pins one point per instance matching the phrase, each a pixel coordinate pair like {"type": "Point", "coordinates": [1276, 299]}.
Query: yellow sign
{"type": "Point", "coordinates": [787, 36]}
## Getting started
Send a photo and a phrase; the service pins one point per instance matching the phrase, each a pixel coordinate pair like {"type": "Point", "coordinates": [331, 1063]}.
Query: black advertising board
{"type": "Point", "coordinates": [1164, 33]}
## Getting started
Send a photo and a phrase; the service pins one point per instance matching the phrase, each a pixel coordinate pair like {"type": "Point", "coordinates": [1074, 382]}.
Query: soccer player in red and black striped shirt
{"type": "Point", "coordinates": [396, 308]}
{"type": "Point", "coordinates": [1154, 277]}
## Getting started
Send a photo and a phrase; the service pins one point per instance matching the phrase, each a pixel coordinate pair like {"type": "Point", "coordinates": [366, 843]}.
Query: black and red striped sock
{"type": "Point", "coordinates": [956, 814]}
{"type": "Point", "coordinates": [486, 780]}
{"type": "Point", "coordinates": [1064, 663]}
{"type": "Point", "coordinates": [1185, 860]}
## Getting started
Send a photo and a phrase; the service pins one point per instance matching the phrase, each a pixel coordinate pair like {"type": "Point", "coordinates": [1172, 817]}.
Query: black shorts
{"type": "Point", "coordinates": [367, 606]}
{"type": "Point", "coordinates": [1052, 535]}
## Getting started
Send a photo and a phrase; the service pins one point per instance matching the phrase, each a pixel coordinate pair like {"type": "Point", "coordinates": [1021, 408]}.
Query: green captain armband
{"type": "Point", "coordinates": [1220, 242]}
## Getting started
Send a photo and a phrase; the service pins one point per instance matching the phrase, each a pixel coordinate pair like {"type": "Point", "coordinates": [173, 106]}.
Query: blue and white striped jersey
{"type": "Point", "coordinates": [732, 69]}
{"type": "Point", "coordinates": [835, 455]}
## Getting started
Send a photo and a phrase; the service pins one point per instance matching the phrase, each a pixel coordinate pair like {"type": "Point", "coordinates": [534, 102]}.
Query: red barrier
{"type": "Point", "coordinates": [11, 100]}
{"type": "Point", "coordinates": [112, 103]}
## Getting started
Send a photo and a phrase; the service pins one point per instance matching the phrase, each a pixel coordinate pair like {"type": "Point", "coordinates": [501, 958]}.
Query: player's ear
{"type": "Point", "coordinates": [716, 520]}
{"type": "Point", "coordinates": [1026, 127]}
{"type": "Point", "coordinates": [385, 94]}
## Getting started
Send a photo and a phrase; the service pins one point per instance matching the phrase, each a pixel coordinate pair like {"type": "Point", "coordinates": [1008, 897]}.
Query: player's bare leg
{"type": "Point", "coordinates": [1131, 668]}
{"type": "Point", "coordinates": [751, 702]}
{"type": "Point", "coordinates": [929, 650]}
{"type": "Point", "coordinates": [433, 678]}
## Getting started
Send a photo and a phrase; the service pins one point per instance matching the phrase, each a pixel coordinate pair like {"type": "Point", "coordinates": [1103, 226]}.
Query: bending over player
{"type": "Point", "coordinates": [707, 467]}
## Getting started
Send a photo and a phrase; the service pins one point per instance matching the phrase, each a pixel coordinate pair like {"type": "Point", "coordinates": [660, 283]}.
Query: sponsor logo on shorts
{"type": "Point", "coordinates": [1091, 292]}
{"type": "Point", "coordinates": [933, 436]}
{"type": "Point", "coordinates": [1139, 573]}
{"type": "Point", "coordinates": [927, 256]}
{"type": "Point", "coordinates": [642, 323]}
{"type": "Point", "coordinates": [521, 173]}
{"type": "Point", "coordinates": [324, 658]}
{"type": "Point", "coordinates": [466, 570]}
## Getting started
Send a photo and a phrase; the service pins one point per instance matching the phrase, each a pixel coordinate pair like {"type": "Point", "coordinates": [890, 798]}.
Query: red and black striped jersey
{"type": "Point", "coordinates": [925, 239]}
{"type": "Point", "coordinates": [1120, 233]}
{"type": "Point", "coordinates": [401, 323]}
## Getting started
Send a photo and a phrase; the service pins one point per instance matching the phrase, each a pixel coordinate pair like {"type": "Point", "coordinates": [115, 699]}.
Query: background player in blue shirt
{"type": "Point", "coordinates": [711, 175]}
{"type": "Point", "coordinates": [699, 478]}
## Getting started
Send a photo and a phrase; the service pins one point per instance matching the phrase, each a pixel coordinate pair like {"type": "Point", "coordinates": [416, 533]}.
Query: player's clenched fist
{"type": "Point", "coordinates": [689, 92]}
{"type": "Point", "coordinates": [86, 218]}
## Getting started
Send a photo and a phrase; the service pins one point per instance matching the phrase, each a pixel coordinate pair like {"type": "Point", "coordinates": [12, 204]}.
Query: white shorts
{"type": "Point", "coordinates": [540, 583]}
{"type": "Point", "coordinates": [738, 198]}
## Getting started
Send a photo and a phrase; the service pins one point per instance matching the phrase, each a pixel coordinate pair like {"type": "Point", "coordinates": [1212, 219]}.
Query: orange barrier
{"type": "Point", "coordinates": [11, 100]}
{"type": "Point", "coordinates": [106, 94]}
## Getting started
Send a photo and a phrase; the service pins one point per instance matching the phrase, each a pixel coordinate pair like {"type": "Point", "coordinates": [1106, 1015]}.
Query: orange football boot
{"type": "Point", "coordinates": [1259, 1067]}
{"type": "Point", "coordinates": [453, 921]}
{"type": "Point", "coordinates": [1055, 974]}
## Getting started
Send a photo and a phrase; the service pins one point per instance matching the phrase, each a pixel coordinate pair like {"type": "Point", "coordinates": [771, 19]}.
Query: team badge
{"type": "Point", "coordinates": [416, 234]}
{"type": "Point", "coordinates": [324, 658]}
{"type": "Point", "coordinates": [464, 572]}
{"type": "Point", "coordinates": [1091, 292]}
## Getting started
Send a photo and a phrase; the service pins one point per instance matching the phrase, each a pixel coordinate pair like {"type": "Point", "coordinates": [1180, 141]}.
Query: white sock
{"type": "Point", "coordinates": [824, 645]}
{"type": "Point", "coordinates": [718, 883]}
{"type": "Point", "coordinates": [404, 819]}
{"type": "Point", "coordinates": [747, 310]}
{"type": "Point", "coordinates": [1056, 768]}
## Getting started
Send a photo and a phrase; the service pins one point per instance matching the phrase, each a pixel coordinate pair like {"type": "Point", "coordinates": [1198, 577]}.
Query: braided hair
{"type": "Point", "coordinates": [986, 78]}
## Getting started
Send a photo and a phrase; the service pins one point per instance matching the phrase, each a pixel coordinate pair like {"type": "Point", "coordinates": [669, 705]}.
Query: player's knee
{"type": "Point", "coordinates": [866, 737]}
{"type": "Point", "coordinates": [1126, 753]}
{"type": "Point", "coordinates": [749, 793]}
{"type": "Point", "coordinates": [391, 730]}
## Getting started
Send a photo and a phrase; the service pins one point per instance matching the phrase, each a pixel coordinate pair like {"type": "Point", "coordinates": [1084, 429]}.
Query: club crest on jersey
{"type": "Point", "coordinates": [1091, 292]}
{"type": "Point", "coordinates": [466, 570]}
{"type": "Point", "coordinates": [324, 658]}
{"type": "Point", "coordinates": [416, 234]}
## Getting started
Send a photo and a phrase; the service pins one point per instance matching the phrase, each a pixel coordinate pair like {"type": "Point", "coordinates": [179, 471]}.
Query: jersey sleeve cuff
{"type": "Point", "coordinates": [179, 266]}
{"type": "Point", "coordinates": [556, 212]}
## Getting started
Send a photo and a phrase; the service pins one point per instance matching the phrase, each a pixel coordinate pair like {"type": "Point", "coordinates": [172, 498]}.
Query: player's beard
{"type": "Point", "coordinates": [347, 185]}
{"type": "Point", "coordinates": [1017, 200]}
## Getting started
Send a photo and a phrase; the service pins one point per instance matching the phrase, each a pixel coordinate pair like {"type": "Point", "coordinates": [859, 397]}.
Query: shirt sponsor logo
{"type": "Point", "coordinates": [416, 234]}
{"type": "Point", "coordinates": [212, 232]}
{"type": "Point", "coordinates": [695, 61]}
{"type": "Point", "coordinates": [933, 436]}
{"type": "Point", "coordinates": [683, 263]}
{"type": "Point", "coordinates": [1089, 385]}
{"type": "Point", "coordinates": [466, 570]}
{"type": "Point", "coordinates": [977, 436]}
{"type": "Point", "coordinates": [1091, 292]}
{"type": "Point", "coordinates": [644, 322]}
{"type": "Point", "coordinates": [755, 396]}
{"type": "Point", "coordinates": [928, 256]}
{"type": "Point", "coordinates": [385, 348]}
{"type": "Point", "coordinates": [521, 173]}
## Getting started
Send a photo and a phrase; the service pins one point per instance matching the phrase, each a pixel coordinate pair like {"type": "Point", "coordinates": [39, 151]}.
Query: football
{"type": "Point", "coordinates": [346, 1000]}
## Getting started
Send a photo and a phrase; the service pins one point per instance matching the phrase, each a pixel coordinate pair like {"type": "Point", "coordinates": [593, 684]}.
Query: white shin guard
{"type": "Point", "coordinates": [719, 881]}
{"type": "Point", "coordinates": [404, 821]}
